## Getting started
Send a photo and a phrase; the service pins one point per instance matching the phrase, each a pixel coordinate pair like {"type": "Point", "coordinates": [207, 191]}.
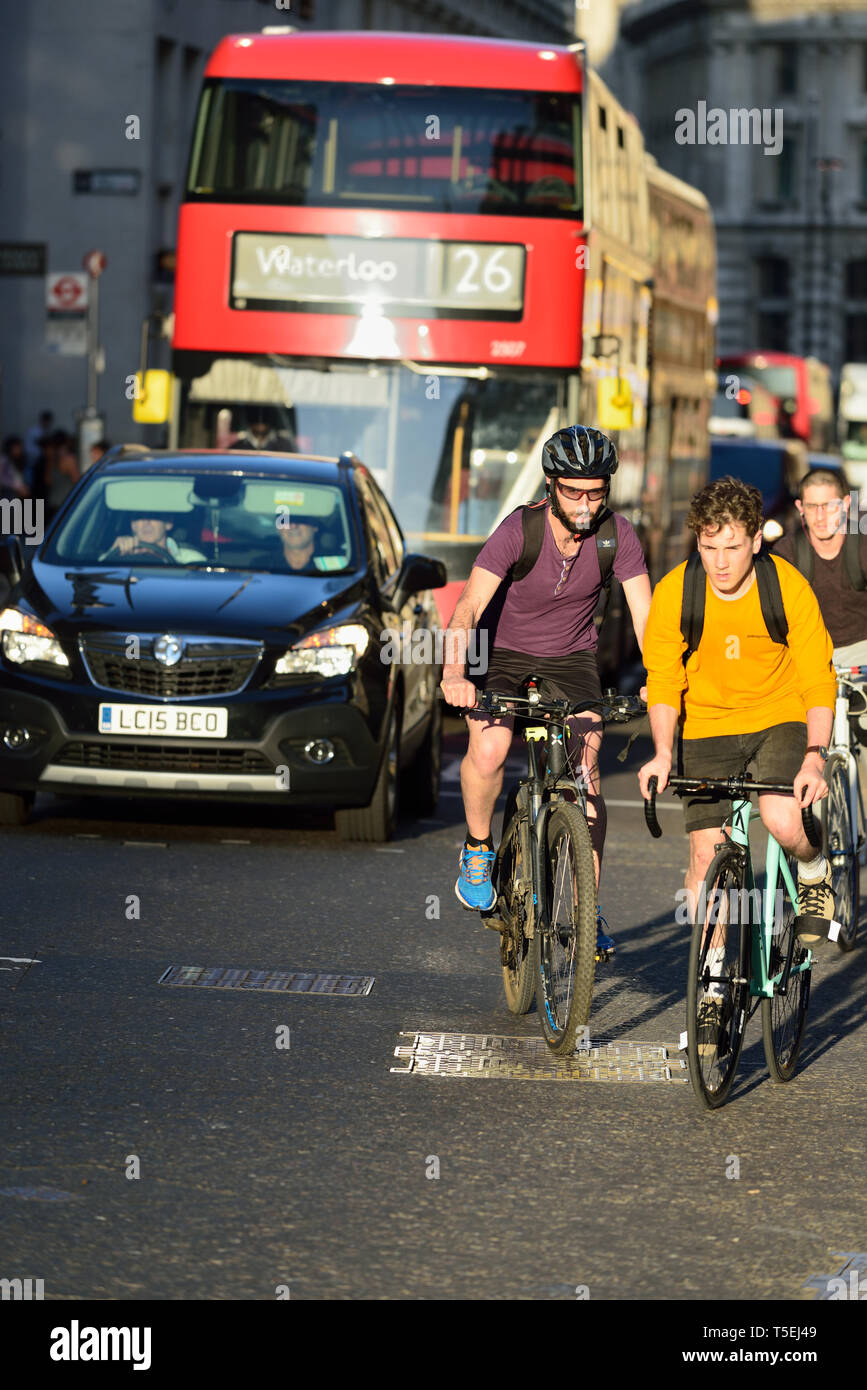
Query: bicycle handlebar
{"type": "Point", "coordinates": [736, 787]}
{"type": "Point", "coordinates": [615, 709]}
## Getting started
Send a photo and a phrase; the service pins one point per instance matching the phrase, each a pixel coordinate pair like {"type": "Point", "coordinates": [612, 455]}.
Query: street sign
{"type": "Point", "coordinates": [95, 263]}
{"type": "Point", "coordinates": [22, 257]}
{"type": "Point", "coordinates": [66, 293]}
{"type": "Point", "coordinates": [117, 181]}
{"type": "Point", "coordinates": [66, 298]}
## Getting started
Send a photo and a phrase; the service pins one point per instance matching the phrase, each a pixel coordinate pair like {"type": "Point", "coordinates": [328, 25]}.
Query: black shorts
{"type": "Point", "coordinates": [776, 755]}
{"type": "Point", "coordinates": [574, 677]}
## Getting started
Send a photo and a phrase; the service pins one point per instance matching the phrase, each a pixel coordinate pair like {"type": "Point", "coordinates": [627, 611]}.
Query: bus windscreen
{"type": "Point", "coordinates": [339, 144]}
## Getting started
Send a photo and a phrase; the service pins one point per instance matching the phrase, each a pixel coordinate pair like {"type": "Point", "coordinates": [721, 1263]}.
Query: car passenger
{"type": "Point", "coordinates": [299, 535]}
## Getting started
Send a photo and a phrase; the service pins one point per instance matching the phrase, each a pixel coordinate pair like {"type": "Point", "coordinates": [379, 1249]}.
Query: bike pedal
{"type": "Point", "coordinates": [603, 957]}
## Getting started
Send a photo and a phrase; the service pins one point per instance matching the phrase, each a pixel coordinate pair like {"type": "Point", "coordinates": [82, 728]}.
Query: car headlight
{"type": "Point", "coordinates": [26, 640]}
{"type": "Point", "coordinates": [333, 651]}
{"type": "Point", "coordinates": [772, 530]}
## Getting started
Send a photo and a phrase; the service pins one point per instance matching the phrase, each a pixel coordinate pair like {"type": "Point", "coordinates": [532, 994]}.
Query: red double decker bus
{"type": "Point", "coordinates": [433, 251]}
{"type": "Point", "coordinates": [802, 386]}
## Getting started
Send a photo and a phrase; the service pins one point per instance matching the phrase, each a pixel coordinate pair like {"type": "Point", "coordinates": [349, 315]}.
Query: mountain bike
{"type": "Point", "coordinates": [842, 813]}
{"type": "Point", "coordinates": [744, 951]}
{"type": "Point", "coordinates": [543, 874]}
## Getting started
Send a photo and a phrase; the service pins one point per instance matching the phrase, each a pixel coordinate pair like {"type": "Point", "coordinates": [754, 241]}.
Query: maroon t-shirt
{"type": "Point", "coordinates": [532, 618]}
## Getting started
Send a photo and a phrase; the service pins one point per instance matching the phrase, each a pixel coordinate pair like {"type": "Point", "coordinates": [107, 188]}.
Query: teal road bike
{"type": "Point", "coordinates": [744, 951]}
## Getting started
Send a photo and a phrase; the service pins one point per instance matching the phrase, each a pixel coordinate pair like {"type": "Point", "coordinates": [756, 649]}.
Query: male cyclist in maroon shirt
{"type": "Point", "coordinates": [545, 627]}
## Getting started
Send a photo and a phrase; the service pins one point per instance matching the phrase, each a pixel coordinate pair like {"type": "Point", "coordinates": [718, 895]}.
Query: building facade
{"type": "Point", "coordinates": [788, 183]}
{"type": "Point", "coordinates": [99, 99]}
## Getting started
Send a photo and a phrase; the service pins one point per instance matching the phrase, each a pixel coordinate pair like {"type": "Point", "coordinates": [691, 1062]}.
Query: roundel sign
{"type": "Point", "coordinates": [66, 292]}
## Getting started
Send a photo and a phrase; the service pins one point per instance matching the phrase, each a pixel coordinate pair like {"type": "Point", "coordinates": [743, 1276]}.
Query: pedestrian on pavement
{"type": "Point", "coordinates": [97, 450]}
{"type": "Point", "coordinates": [62, 472]}
{"type": "Point", "coordinates": [34, 446]}
{"type": "Point", "coordinates": [12, 466]}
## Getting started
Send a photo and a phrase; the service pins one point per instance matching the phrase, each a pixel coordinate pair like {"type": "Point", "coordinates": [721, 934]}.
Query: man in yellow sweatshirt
{"type": "Point", "coordinates": [742, 698]}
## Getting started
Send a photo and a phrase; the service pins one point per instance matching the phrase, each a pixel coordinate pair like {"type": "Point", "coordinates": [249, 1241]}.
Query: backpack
{"type": "Point", "coordinates": [805, 555]}
{"type": "Point", "coordinates": [692, 606]}
{"type": "Point", "coordinates": [534, 521]}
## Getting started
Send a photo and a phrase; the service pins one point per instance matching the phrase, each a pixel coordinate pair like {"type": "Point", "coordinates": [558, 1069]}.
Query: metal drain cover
{"type": "Point", "coordinates": [286, 981]}
{"type": "Point", "coordinates": [530, 1059]}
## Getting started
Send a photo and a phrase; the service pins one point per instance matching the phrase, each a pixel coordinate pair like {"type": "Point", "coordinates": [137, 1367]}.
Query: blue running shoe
{"type": "Point", "coordinates": [474, 888]}
{"type": "Point", "coordinates": [604, 943]}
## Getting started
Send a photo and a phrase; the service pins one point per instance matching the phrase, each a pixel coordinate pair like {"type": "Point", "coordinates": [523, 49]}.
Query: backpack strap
{"type": "Point", "coordinates": [804, 554]}
{"type": "Point", "coordinates": [852, 560]}
{"type": "Point", "coordinates": [606, 545]}
{"type": "Point", "coordinates": [771, 598]}
{"type": "Point", "coordinates": [692, 604]}
{"type": "Point", "coordinates": [533, 521]}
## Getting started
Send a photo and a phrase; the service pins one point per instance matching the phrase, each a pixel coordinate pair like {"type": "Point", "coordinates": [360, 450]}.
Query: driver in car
{"type": "Point", "coordinates": [150, 534]}
{"type": "Point", "coordinates": [298, 534]}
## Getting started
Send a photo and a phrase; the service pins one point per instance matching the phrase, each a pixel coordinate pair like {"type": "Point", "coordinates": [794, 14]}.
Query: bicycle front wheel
{"type": "Point", "coordinates": [718, 984]}
{"type": "Point", "coordinates": [784, 1015]}
{"type": "Point", "coordinates": [513, 881]}
{"type": "Point", "coordinates": [839, 847]}
{"type": "Point", "coordinates": [565, 951]}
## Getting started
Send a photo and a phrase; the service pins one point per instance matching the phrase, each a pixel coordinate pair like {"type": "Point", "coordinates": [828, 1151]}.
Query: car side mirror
{"type": "Point", "coordinates": [418, 572]}
{"type": "Point", "coordinates": [11, 559]}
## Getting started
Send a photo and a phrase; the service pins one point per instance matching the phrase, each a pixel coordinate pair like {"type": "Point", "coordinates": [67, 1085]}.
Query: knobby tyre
{"type": "Point", "coordinates": [839, 847]}
{"type": "Point", "coordinates": [719, 967]}
{"type": "Point", "coordinates": [785, 1015]}
{"type": "Point", "coordinates": [565, 952]}
{"type": "Point", "coordinates": [514, 886]}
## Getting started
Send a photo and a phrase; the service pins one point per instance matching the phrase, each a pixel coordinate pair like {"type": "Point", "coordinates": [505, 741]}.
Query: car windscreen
{"type": "Point", "coordinates": [192, 519]}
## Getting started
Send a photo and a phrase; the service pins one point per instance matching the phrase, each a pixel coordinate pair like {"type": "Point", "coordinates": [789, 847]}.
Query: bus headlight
{"type": "Point", "coordinates": [333, 651]}
{"type": "Point", "coordinates": [25, 640]}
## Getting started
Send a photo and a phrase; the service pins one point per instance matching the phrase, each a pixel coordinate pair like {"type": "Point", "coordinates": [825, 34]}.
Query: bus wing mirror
{"type": "Point", "coordinates": [153, 397]}
{"type": "Point", "coordinates": [614, 403]}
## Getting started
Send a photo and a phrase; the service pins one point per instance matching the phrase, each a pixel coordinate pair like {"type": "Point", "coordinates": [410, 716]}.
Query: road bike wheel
{"type": "Point", "coordinates": [513, 881]}
{"type": "Point", "coordinates": [565, 952]}
{"type": "Point", "coordinates": [784, 1015]}
{"type": "Point", "coordinates": [722, 923]}
{"type": "Point", "coordinates": [839, 846]}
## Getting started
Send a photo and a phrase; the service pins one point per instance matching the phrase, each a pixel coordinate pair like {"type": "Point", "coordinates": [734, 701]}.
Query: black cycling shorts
{"type": "Point", "coordinates": [574, 677]}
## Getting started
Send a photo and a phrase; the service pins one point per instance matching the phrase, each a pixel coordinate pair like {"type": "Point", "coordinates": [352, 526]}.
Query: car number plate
{"type": "Point", "coordinates": [164, 721]}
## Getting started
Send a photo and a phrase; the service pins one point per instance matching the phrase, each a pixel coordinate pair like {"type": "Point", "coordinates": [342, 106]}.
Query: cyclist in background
{"type": "Point", "coordinates": [741, 698]}
{"type": "Point", "coordinates": [819, 551]}
{"type": "Point", "coordinates": [544, 627]}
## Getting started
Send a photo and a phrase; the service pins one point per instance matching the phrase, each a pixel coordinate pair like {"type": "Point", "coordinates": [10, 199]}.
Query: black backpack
{"type": "Point", "coordinates": [534, 521]}
{"type": "Point", "coordinates": [692, 606]}
{"type": "Point", "coordinates": [805, 556]}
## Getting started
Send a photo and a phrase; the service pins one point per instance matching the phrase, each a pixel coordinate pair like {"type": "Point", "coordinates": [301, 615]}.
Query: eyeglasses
{"type": "Point", "coordinates": [593, 494]}
{"type": "Point", "coordinates": [823, 506]}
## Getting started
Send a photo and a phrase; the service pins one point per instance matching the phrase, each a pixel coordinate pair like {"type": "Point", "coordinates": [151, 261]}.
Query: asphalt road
{"type": "Point", "coordinates": [312, 1166]}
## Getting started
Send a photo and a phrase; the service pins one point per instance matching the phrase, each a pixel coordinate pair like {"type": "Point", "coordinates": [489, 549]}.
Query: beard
{"type": "Point", "coordinates": [575, 528]}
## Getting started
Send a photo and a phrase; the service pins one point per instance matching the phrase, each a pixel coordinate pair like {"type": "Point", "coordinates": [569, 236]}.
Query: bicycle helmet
{"type": "Point", "coordinates": [579, 451]}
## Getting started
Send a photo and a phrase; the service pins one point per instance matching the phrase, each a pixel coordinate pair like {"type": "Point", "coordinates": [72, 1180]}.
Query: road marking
{"type": "Point", "coordinates": [22, 960]}
{"type": "Point", "coordinates": [387, 849]}
{"type": "Point", "coordinates": [145, 844]}
{"type": "Point", "coordinates": [235, 842]}
{"type": "Point", "coordinates": [289, 981]}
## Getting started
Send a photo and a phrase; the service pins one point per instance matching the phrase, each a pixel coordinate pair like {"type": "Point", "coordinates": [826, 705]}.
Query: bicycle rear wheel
{"type": "Point", "coordinates": [784, 1015]}
{"type": "Point", "coordinates": [565, 952]}
{"type": "Point", "coordinates": [718, 984]}
{"type": "Point", "coordinates": [839, 847]}
{"type": "Point", "coordinates": [513, 882]}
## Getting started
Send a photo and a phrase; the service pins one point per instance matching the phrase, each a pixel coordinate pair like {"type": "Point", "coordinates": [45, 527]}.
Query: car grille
{"type": "Point", "coordinates": [209, 666]}
{"type": "Point", "coordinates": [144, 757]}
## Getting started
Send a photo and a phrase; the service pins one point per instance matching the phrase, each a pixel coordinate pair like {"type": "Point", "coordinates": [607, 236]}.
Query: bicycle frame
{"type": "Point", "coordinates": [841, 747]}
{"type": "Point", "coordinates": [531, 790]}
{"type": "Point", "coordinates": [761, 937]}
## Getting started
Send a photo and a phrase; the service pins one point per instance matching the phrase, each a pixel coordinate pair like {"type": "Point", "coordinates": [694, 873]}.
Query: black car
{"type": "Point", "coordinates": [222, 625]}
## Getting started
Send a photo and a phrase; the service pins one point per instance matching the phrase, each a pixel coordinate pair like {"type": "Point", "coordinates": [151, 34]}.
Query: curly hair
{"type": "Point", "coordinates": [725, 502]}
